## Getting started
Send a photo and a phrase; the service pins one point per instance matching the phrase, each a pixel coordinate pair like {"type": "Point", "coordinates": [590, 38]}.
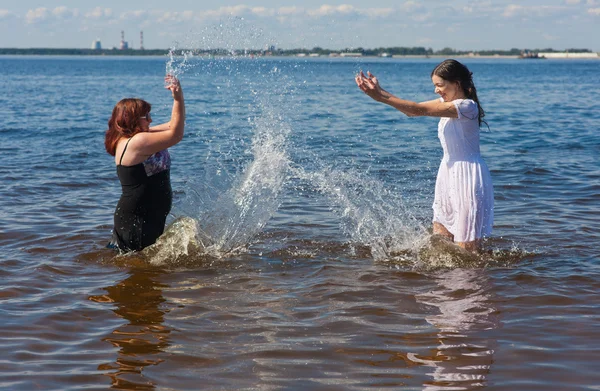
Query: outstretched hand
{"type": "Point", "coordinates": [369, 85]}
{"type": "Point", "coordinates": [172, 83]}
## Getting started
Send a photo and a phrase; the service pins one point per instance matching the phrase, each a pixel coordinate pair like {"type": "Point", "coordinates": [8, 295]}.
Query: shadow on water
{"type": "Point", "coordinates": [143, 337]}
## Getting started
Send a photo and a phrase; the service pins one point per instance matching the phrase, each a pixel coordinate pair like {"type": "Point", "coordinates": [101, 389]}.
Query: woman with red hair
{"type": "Point", "coordinates": [143, 167]}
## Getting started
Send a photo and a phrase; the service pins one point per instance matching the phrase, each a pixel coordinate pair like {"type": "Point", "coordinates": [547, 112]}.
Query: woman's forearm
{"type": "Point", "coordinates": [160, 127]}
{"type": "Point", "coordinates": [407, 107]}
{"type": "Point", "coordinates": [177, 122]}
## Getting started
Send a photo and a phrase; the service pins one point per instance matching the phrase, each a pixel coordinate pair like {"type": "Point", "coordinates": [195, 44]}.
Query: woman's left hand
{"type": "Point", "coordinates": [172, 83]}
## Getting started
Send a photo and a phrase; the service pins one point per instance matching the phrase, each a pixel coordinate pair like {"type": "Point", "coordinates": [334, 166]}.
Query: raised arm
{"type": "Point", "coordinates": [168, 134]}
{"type": "Point", "coordinates": [160, 127]}
{"type": "Point", "coordinates": [433, 108]}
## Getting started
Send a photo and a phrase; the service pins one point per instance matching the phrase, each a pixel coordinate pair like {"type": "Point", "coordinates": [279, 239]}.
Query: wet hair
{"type": "Point", "coordinates": [125, 122]}
{"type": "Point", "coordinates": [454, 71]}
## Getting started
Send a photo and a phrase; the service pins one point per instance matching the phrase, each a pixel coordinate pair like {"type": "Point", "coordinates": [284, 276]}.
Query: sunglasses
{"type": "Point", "coordinates": [147, 117]}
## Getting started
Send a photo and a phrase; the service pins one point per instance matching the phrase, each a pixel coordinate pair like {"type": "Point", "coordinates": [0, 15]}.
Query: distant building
{"type": "Point", "coordinates": [570, 55]}
{"type": "Point", "coordinates": [269, 50]}
{"type": "Point", "coordinates": [96, 45]}
{"type": "Point", "coordinates": [124, 45]}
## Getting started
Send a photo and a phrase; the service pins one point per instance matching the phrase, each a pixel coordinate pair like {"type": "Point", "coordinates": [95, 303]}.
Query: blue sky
{"type": "Point", "coordinates": [458, 24]}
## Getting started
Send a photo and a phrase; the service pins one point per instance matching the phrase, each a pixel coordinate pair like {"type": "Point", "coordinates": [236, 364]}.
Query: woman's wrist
{"type": "Point", "coordinates": [384, 96]}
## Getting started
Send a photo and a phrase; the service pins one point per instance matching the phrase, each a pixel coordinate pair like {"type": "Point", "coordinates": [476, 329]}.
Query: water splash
{"type": "Point", "coordinates": [221, 221]}
{"type": "Point", "coordinates": [371, 214]}
{"type": "Point", "coordinates": [247, 166]}
{"type": "Point", "coordinates": [376, 216]}
{"type": "Point", "coordinates": [178, 64]}
{"type": "Point", "coordinates": [243, 179]}
{"type": "Point", "coordinates": [233, 37]}
{"type": "Point", "coordinates": [228, 221]}
{"type": "Point", "coordinates": [177, 243]}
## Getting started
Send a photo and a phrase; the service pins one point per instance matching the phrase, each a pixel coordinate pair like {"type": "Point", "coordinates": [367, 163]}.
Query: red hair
{"type": "Point", "coordinates": [125, 122]}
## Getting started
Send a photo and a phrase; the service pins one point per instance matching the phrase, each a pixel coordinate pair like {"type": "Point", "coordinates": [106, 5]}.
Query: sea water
{"type": "Point", "coordinates": [299, 253]}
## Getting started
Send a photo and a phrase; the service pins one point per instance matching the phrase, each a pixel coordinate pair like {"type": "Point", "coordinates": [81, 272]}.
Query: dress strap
{"type": "Point", "coordinates": [124, 149]}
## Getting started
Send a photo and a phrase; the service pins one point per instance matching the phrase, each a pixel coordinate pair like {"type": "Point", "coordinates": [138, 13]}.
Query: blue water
{"type": "Point", "coordinates": [300, 257]}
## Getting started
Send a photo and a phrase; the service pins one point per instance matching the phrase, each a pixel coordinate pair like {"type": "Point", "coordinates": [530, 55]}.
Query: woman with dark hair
{"type": "Point", "coordinates": [143, 167]}
{"type": "Point", "coordinates": [463, 207]}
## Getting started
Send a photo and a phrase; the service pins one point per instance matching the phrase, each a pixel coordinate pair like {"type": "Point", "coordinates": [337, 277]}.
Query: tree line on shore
{"type": "Point", "coordinates": [389, 51]}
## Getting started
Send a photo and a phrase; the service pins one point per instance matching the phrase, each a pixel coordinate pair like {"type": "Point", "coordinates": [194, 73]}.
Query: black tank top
{"type": "Point", "coordinates": [145, 201]}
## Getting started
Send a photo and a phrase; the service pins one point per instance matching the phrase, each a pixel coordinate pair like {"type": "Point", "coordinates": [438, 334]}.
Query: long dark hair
{"type": "Point", "coordinates": [125, 121]}
{"type": "Point", "coordinates": [454, 71]}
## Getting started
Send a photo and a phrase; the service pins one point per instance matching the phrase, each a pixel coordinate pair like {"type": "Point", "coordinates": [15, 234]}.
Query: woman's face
{"type": "Point", "coordinates": [145, 122]}
{"type": "Point", "coordinates": [448, 90]}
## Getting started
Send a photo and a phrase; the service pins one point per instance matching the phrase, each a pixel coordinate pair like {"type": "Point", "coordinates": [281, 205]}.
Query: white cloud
{"type": "Point", "coordinates": [346, 9]}
{"type": "Point", "coordinates": [416, 11]}
{"type": "Point", "coordinates": [169, 17]}
{"type": "Point", "coordinates": [285, 11]}
{"type": "Point", "coordinates": [188, 15]}
{"type": "Point", "coordinates": [5, 14]}
{"type": "Point", "coordinates": [280, 13]}
{"type": "Point", "coordinates": [174, 17]}
{"type": "Point", "coordinates": [36, 15]}
{"type": "Point", "coordinates": [512, 9]}
{"type": "Point", "coordinates": [99, 13]}
{"type": "Point", "coordinates": [594, 11]}
{"type": "Point", "coordinates": [421, 18]}
{"type": "Point", "coordinates": [326, 10]}
{"type": "Point", "coordinates": [262, 11]}
{"type": "Point", "coordinates": [573, 1]}
{"type": "Point", "coordinates": [237, 10]}
{"type": "Point", "coordinates": [411, 6]}
{"type": "Point", "coordinates": [64, 13]}
{"type": "Point", "coordinates": [379, 12]}
{"type": "Point", "coordinates": [134, 15]}
{"type": "Point", "coordinates": [43, 14]}
{"type": "Point", "coordinates": [543, 10]}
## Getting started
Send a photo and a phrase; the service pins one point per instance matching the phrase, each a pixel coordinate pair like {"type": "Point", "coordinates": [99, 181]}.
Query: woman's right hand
{"type": "Point", "coordinates": [172, 83]}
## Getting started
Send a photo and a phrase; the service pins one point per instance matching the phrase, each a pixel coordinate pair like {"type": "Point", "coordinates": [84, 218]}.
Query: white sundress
{"type": "Point", "coordinates": [464, 194]}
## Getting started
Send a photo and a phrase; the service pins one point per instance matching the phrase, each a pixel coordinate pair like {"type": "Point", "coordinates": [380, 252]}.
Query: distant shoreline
{"type": "Point", "coordinates": [415, 53]}
{"type": "Point", "coordinates": [306, 58]}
